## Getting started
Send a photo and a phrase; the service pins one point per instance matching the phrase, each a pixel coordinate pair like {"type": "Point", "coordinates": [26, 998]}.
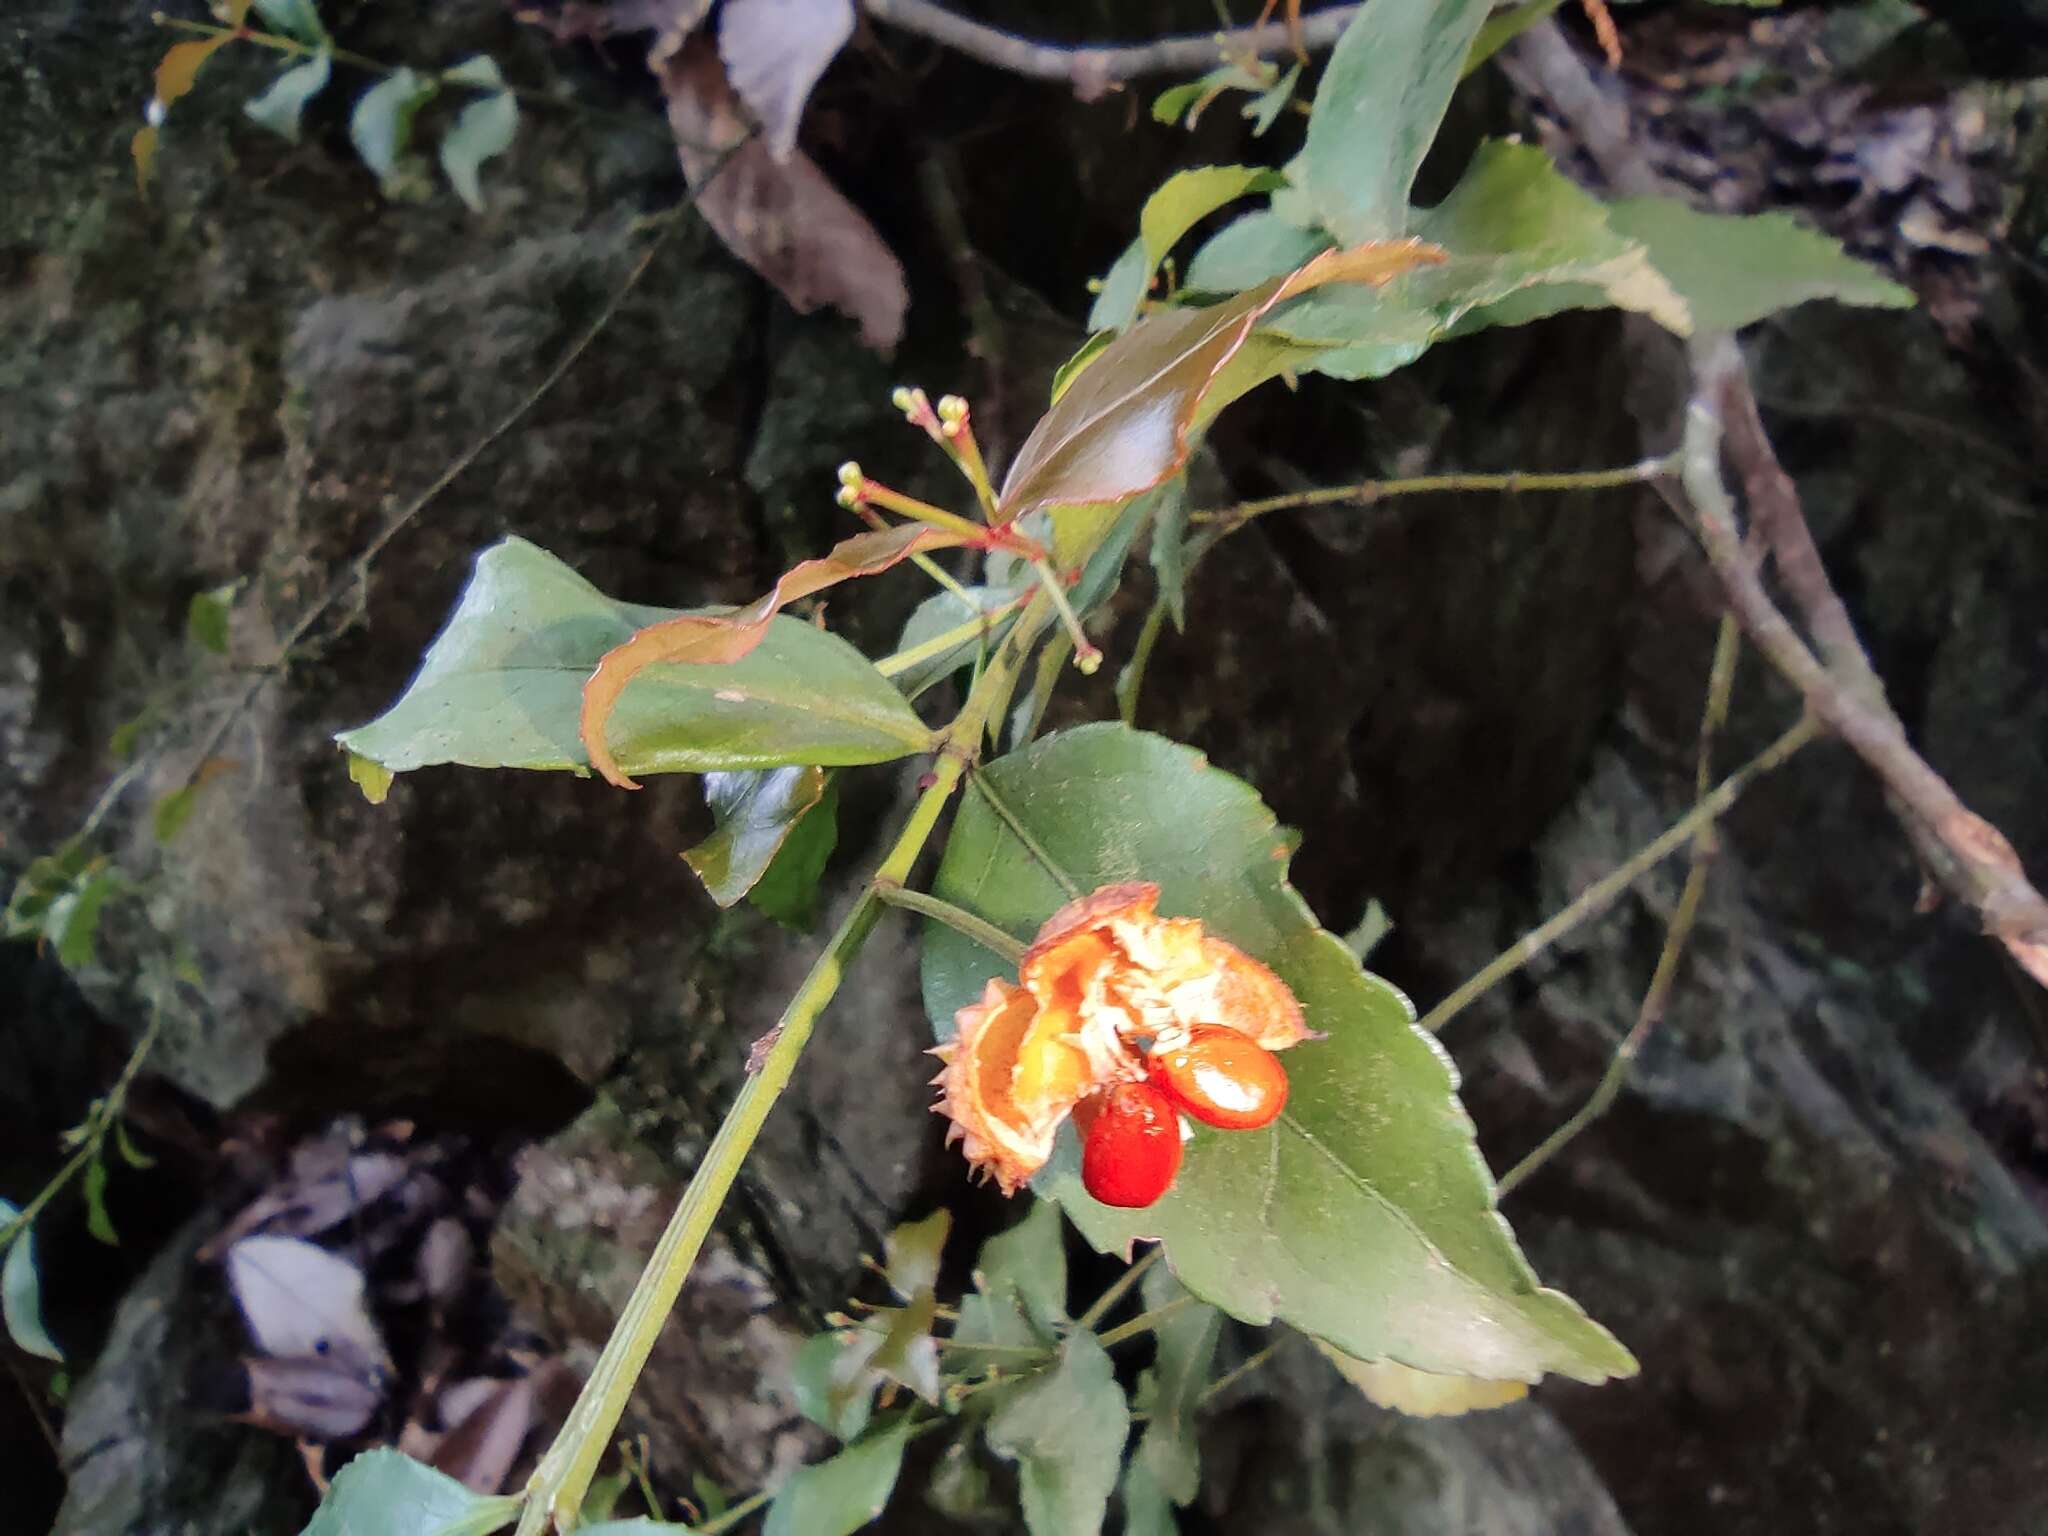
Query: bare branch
{"type": "Point", "coordinates": [1965, 854]}
{"type": "Point", "coordinates": [1093, 70]}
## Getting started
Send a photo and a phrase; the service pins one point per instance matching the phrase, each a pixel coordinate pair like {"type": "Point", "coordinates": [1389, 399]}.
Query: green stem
{"type": "Point", "coordinates": [902, 661]}
{"type": "Point", "coordinates": [97, 1124]}
{"type": "Point", "coordinates": [1132, 679]}
{"type": "Point", "coordinates": [1602, 894]}
{"type": "Point", "coordinates": [1144, 1322]}
{"type": "Point", "coordinates": [735, 1515]}
{"type": "Point", "coordinates": [1118, 1289]}
{"type": "Point", "coordinates": [1087, 655]}
{"type": "Point", "coordinates": [1512, 482]}
{"type": "Point", "coordinates": [1235, 1374]}
{"type": "Point", "coordinates": [959, 919]}
{"type": "Point", "coordinates": [559, 1483]}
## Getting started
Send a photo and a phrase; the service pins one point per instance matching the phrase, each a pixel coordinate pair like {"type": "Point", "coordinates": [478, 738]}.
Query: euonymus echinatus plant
{"type": "Point", "coordinates": [1138, 1018]}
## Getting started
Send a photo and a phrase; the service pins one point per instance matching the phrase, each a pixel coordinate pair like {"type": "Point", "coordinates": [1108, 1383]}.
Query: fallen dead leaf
{"type": "Point", "coordinates": [301, 1301]}
{"type": "Point", "coordinates": [774, 52]}
{"type": "Point", "coordinates": [315, 1397]}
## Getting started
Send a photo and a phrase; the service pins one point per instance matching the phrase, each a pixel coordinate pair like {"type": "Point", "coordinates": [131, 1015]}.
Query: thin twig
{"type": "Point", "coordinates": [1144, 1322]}
{"type": "Point", "coordinates": [1235, 1374]}
{"type": "Point", "coordinates": [961, 921]}
{"type": "Point", "coordinates": [1366, 492]}
{"type": "Point", "coordinates": [1118, 1288]}
{"type": "Point", "coordinates": [1603, 893]}
{"type": "Point", "coordinates": [1720, 685]}
{"type": "Point", "coordinates": [1964, 853]}
{"type": "Point", "coordinates": [1091, 70]}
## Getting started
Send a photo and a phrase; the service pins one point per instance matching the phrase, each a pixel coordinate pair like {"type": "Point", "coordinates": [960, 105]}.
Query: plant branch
{"type": "Point", "coordinates": [1119, 1288]}
{"type": "Point", "coordinates": [1961, 851]}
{"type": "Point", "coordinates": [1603, 893]}
{"type": "Point", "coordinates": [1093, 70]}
{"type": "Point", "coordinates": [1705, 843]}
{"type": "Point", "coordinates": [959, 919]}
{"type": "Point", "coordinates": [1366, 492]}
{"type": "Point", "coordinates": [1144, 1322]}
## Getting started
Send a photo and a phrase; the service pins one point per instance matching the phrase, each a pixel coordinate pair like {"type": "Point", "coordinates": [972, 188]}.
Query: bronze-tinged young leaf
{"type": "Point", "coordinates": [1122, 424]}
{"type": "Point", "coordinates": [781, 217]}
{"type": "Point", "coordinates": [1364, 1214]}
{"type": "Point", "coordinates": [754, 813]}
{"type": "Point", "coordinates": [696, 639]}
{"type": "Point", "coordinates": [502, 687]}
{"type": "Point", "coordinates": [179, 68]}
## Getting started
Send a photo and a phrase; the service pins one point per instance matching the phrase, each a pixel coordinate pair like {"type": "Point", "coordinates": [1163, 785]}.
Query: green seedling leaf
{"type": "Point", "coordinates": [131, 1154]}
{"type": "Point", "coordinates": [483, 130]}
{"type": "Point", "coordinates": [1735, 269]}
{"type": "Point", "coordinates": [1264, 109]}
{"type": "Point", "coordinates": [97, 1221]}
{"type": "Point", "coordinates": [502, 687]}
{"type": "Point", "coordinates": [1167, 1446]}
{"type": "Point", "coordinates": [21, 1294]}
{"type": "Point", "coordinates": [788, 891]}
{"type": "Point", "coordinates": [296, 19]}
{"type": "Point", "coordinates": [838, 1496]}
{"type": "Point", "coordinates": [911, 1253]}
{"type": "Point", "coordinates": [1364, 1215]}
{"type": "Point", "coordinates": [1419, 1394]}
{"type": "Point", "coordinates": [1182, 202]}
{"type": "Point", "coordinates": [1065, 1429]}
{"type": "Point", "coordinates": [1122, 425]}
{"type": "Point", "coordinates": [281, 108]}
{"type": "Point", "coordinates": [381, 130]}
{"type": "Point", "coordinates": [835, 1399]}
{"type": "Point", "coordinates": [370, 776]}
{"type": "Point", "coordinates": [386, 1493]}
{"type": "Point", "coordinates": [72, 923]}
{"type": "Point", "coordinates": [1376, 112]}
{"type": "Point", "coordinates": [754, 813]}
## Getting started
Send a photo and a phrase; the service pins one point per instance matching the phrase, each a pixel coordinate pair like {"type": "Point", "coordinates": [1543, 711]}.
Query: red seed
{"type": "Point", "coordinates": [1222, 1077]}
{"type": "Point", "coordinates": [1130, 1148]}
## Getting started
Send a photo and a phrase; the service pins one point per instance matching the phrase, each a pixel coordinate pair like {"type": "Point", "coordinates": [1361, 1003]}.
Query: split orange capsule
{"type": "Point", "coordinates": [1130, 1145]}
{"type": "Point", "coordinates": [1221, 1077]}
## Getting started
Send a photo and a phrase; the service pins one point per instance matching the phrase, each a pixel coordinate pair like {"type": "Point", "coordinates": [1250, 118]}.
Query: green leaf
{"type": "Point", "coordinates": [380, 127]}
{"type": "Point", "coordinates": [206, 618]}
{"type": "Point", "coordinates": [754, 812]}
{"type": "Point", "coordinates": [1029, 1261]}
{"type": "Point", "coordinates": [371, 777]}
{"type": "Point", "coordinates": [788, 891]}
{"type": "Point", "coordinates": [21, 1296]}
{"type": "Point", "coordinates": [961, 1486]}
{"type": "Point", "coordinates": [1068, 371]}
{"type": "Point", "coordinates": [638, 1526]}
{"type": "Point", "coordinates": [296, 19]}
{"type": "Point", "coordinates": [1182, 201]}
{"type": "Point", "coordinates": [502, 688]}
{"type": "Point", "coordinates": [838, 1496]}
{"type": "Point", "coordinates": [97, 1221]}
{"type": "Point", "coordinates": [128, 734]}
{"type": "Point", "coordinates": [835, 1399]}
{"type": "Point", "coordinates": [282, 106]}
{"type": "Point", "coordinates": [1251, 249]}
{"type": "Point", "coordinates": [1123, 290]}
{"type": "Point", "coordinates": [1502, 28]}
{"type": "Point", "coordinates": [1065, 1429]}
{"type": "Point", "coordinates": [1364, 1215]}
{"type": "Point", "coordinates": [1170, 551]}
{"type": "Point", "coordinates": [483, 130]}
{"type": "Point", "coordinates": [73, 921]}
{"type": "Point", "coordinates": [168, 817]}
{"type": "Point", "coordinates": [1376, 113]}
{"type": "Point", "coordinates": [386, 1493]}
{"type": "Point", "coordinates": [1147, 1509]}
{"type": "Point", "coordinates": [912, 1251]}
{"type": "Point", "coordinates": [131, 1154]}
{"type": "Point", "coordinates": [1264, 109]}
{"type": "Point", "coordinates": [1734, 269]}
{"type": "Point", "coordinates": [1167, 1446]}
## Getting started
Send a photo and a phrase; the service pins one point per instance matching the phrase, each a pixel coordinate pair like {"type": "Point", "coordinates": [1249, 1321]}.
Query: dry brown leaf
{"type": "Point", "coordinates": [781, 217]}
{"type": "Point", "coordinates": [301, 1301]}
{"type": "Point", "coordinates": [328, 1184]}
{"type": "Point", "coordinates": [479, 1451]}
{"type": "Point", "coordinates": [315, 1397]}
{"type": "Point", "coordinates": [774, 52]}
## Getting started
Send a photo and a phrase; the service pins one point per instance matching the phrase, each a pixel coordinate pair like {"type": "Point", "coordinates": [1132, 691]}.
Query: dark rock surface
{"type": "Point", "coordinates": [1817, 1214]}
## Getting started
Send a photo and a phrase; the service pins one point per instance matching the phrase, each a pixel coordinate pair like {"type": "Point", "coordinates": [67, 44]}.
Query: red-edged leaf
{"type": "Point", "coordinates": [714, 639]}
{"type": "Point", "coordinates": [782, 217]}
{"type": "Point", "coordinates": [1122, 425]}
